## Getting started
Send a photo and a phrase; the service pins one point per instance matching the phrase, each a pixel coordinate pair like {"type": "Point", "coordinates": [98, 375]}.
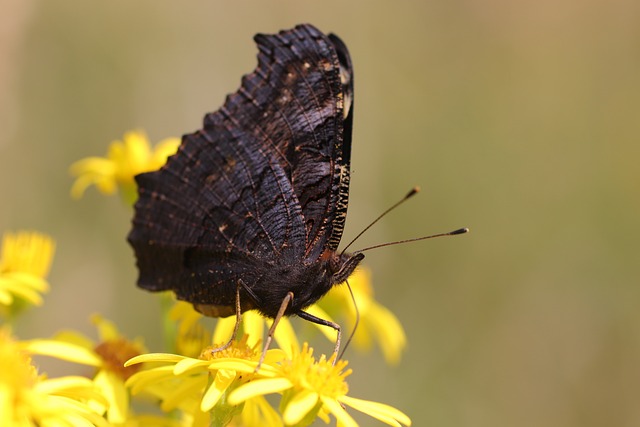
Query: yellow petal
{"type": "Point", "coordinates": [388, 331]}
{"type": "Point", "coordinates": [154, 357]}
{"type": "Point", "coordinates": [224, 329]}
{"type": "Point", "coordinates": [186, 364]}
{"type": "Point", "coordinates": [113, 389]}
{"type": "Point", "coordinates": [286, 338]}
{"type": "Point", "coordinates": [221, 382]}
{"type": "Point", "coordinates": [253, 325]}
{"type": "Point", "coordinates": [5, 297]}
{"type": "Point", "coordinates": [106, 186]}
{"type": "Point", "coordinates": [31, 280]}
{"type": "Point", "coordinates": [26, 252]}
{"type": "Point", "coordinates": [241, 365]}
{"type": "Point", "coordinates": [93, 170]}
{"type": "Point", "coordinates": [75, 388]}
{"type": "Point", "coordinates": [138, 153]}
{"type": "Point", "coordinates": [141, 380]}
{"type": "Point", "coordinates": [20, 290]}
{"type": "Point", "coordinates": [274, 356]}
{"type": "Point", "coordinates": [107, 330]}
{"type": "Point", "coordinates": [258, 388]}
{"type": "Point", "coordinates": [162, 151]}
{"type": "Point", "coordinates": [62, 350]}
{"type": "Point", "coordinates": [299, 406]}
{"type": "Point", "coordinates": [74, 337]}
{"type": "Point", "coordinates": [385, 413]}
{"type": "Point", "coordinates": [83, 413]}
{"type": "Point", "coordinates": [258, 412]}
{"type": "Point", "coordinates": [55, 385]}
{"type": "Point", "coordinates": [80, 185]}
{"type": "Point", "coordinates": [93, 165]}
{"type": "Point", "coordinates": [341, 415]}
{"type": "Point", "coordinates": [184, 391]}
{"type": "Point", "coordinates": [328, 332]}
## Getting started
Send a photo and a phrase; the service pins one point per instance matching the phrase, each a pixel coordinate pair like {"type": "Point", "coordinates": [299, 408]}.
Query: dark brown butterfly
{"type": "Point", "coordinates": [253, 205]}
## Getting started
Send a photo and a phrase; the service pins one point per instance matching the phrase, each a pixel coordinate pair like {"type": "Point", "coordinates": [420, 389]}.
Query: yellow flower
{"type": "Point", "coordinates": [25, 260]}
{"type": "Point", "coordinates": [255, 325]}
{"type": "Point", "coordinates": [257, 412]}
{"type": "Point", "coordinates": [311, 387]}
{"type": "Point", "coordinates": [29, 400]}
{"type": "Point", "coordinates": [192, 334]}
{"type": "Point", "coordinates": [124, 160]}
{"type": "Point", "coordinates": [376, 321]}
{"type": "Point", "coordinates": [199, 386]}
{"type": "Point", "coordinates": [107, 356]}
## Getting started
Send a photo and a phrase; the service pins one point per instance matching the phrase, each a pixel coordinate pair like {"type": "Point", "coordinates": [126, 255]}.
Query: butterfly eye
{"type": "Point", "coordinates": [347, 267]}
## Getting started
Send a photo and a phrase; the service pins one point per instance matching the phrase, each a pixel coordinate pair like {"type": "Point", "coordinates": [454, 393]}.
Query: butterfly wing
{"type": "Point", "coordinates": [265, 180]}
{"type": "Point", "coordinates": [299, 100]}
{"type": "Point", "coordinates": [218, 211]}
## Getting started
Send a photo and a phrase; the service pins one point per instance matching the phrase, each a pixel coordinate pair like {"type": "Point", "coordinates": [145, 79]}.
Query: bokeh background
{"type": "Point", "coordinates": [520, 120]}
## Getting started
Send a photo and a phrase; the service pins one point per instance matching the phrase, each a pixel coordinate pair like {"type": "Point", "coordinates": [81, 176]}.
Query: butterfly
{"type": "Point", "coordinates": [249, 213]}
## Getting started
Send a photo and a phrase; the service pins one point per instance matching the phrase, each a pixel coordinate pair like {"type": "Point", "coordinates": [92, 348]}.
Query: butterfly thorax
{"type": "Point", "coordinates": [308, 281]}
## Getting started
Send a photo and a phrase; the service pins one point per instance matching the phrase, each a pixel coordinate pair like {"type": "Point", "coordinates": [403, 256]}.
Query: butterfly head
{"type": "Point", "coordinates": [343, 265]}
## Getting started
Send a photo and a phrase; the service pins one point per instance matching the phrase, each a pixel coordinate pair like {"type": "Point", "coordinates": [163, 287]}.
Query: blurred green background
{"type": "Point", "coordinates": [519, 120]}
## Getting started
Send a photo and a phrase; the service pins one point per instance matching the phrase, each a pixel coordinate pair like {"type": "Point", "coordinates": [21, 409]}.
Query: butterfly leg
{"type": "Point", "coordinates": [311, 318]}
{"type": "Point", "coordinates": [272, 330]}
{"type": "Point", "coordinates": [236, 327]}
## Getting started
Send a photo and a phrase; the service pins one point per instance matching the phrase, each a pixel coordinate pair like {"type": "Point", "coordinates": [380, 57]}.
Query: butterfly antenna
{"type": "Point", "coordinates": [410, 194]}
{"type": "Point", "coordinates": [357, 322]}
{"type": "Point", "coordinates": [451, 233]}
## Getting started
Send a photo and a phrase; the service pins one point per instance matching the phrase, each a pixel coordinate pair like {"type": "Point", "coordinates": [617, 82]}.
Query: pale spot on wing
{"type": "Point", "coordinates": [326, 65]}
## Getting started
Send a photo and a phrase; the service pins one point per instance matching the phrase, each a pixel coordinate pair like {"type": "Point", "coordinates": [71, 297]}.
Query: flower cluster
{"type": "Point", "coordinates": [218, 387]}
{"type": "Point", "coordinates": [125, 160]}
{"type": "Point", "coordinates": [30, 399]}
{"type": "Point", "coordinates": [199, 381]}
{"type": "Point", "coordinates": [25, 259]}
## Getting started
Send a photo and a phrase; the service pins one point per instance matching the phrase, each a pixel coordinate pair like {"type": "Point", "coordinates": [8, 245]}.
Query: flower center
{"type": "Point", "coordinates": [237, 350]}
{"type": "Point", "coordinates": [322, 376]}
{"type": "Point", "coordinates": [115, 352]}
{"type": "Point", "coordinates": [18, 373]}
